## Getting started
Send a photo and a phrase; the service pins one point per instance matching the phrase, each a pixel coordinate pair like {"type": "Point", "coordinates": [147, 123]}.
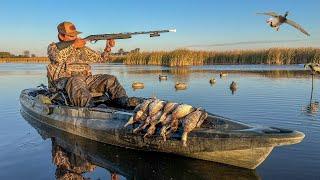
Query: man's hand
{"type": "Point", "coordinates": [109, 44]}
{"type": "Point", "coordinates": [79, 43]}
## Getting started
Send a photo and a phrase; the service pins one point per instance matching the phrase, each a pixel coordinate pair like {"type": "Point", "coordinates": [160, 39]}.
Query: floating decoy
{"type": "Point", "coordinates": [180, 86]}
{"type": "Point", "coordinates": [212, 81]}
{"type": "Point", "coordinates": [163, 77]}
{"type": "Point", "coordinates": [223, 74]}
{"type": "Point", "coordinates": [137, 85]}
{"type": "Point", "coordinates": [233, 87]}
{"type": "Point", "coordinates": [277, 20]}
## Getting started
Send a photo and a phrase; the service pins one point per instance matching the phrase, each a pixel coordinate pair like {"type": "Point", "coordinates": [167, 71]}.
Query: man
{"type": "Point", "coordinates": [69, 70]}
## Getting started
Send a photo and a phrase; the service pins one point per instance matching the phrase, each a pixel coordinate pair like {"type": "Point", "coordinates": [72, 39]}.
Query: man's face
{"type": "Point", "coordinates": [64, 37]}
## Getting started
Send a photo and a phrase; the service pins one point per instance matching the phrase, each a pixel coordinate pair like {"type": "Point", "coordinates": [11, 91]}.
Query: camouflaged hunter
{"type": "Point", "coordinates": [69, 70]}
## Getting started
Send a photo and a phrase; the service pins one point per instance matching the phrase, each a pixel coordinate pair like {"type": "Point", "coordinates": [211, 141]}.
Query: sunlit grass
{"type": "Point", "coordinates": [182, 57]}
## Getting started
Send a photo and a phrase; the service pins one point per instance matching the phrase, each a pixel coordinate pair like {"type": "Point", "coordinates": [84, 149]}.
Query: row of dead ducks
{"type": "Point", "coordinates": [183, 86]}
{"type": "Point", "coordinates": [153, 113]}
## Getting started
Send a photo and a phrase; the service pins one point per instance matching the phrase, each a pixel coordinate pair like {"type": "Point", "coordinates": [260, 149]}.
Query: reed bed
{"type": "Point", "coordinates": [184, 57]}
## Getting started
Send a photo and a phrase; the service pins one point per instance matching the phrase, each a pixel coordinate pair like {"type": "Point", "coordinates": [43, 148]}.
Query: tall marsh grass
{"type": "Point", "coordinates": [183, 57]}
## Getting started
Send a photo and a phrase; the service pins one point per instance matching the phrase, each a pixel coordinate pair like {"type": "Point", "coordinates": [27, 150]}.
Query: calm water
{"type": "Point", "coordinates": [267, 95]}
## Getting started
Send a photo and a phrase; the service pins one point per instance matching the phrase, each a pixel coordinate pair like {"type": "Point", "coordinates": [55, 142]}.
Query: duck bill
{"type": "Point", "coordinates": [130, 121]}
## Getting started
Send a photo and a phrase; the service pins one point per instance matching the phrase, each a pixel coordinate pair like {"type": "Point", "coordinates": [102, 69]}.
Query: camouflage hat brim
{"type": "Point", "coordinates": [73, 33]}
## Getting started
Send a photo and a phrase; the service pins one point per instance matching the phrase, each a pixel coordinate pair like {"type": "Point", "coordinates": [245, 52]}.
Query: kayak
{"type": "Point", "coordinates": [134, 164]}
{"type": "Point", "coordinates": [219, 139]}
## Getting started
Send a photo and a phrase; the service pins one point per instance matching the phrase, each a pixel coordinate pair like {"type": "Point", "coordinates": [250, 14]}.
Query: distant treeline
{"type": "Point", "coordinates": [24, 60]}
{"type": "Point", "coordinates": [26, 54]}
{"type": "Point", "coordinates": [183, 57]}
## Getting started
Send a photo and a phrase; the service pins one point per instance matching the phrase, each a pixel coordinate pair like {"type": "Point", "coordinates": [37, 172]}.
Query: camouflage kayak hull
{"type": "Point", "coordinates": [134, 164]}
{"type": "Point", "coordinates": [219, 139]}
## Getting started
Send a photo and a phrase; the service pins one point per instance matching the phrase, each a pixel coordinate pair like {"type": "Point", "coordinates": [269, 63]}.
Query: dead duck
{"type": "Point", "coordinates": [142, 125]}
{"type": "Point", "coordinates": [139, 112]}
{"type": "Point", "coordinates": [222, 74]}
{"type": "Point", "coordinates": [180, 86]}
{"type": "Point", "coordinates": [168, 108]}
{"type": "Point", "coordinates": [212, 81]}
{"type": "Point", "coordinates": [146, 103]}
{"type": "Point", "coordinates": [153, 112]}
{"type": "Point", "coordinates": [162, 77]}
{"type": "Point", "coordinates": [191, 121]}
{"type": "Point", "coordinates": [277, 20]}
{"type": "Point", "coordinates": [153, 123]}
{"type": "Point", "coordinates": [165, 126]}
{"type": "Point", "coordinates": [147, 122]}
{"type": "Point", "coordinates": [137, 85]}
{"type": "Point", "coordinates": [155, 107]}
{"type": "Point", "coordinates": [180, 112]}
{"type": "Point", "coordinates": [138, 116]}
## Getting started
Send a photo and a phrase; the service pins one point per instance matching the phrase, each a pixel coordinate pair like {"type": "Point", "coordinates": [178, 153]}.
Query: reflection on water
{"type": "Point", "coordinates": [313, 106]}
{"type": "Point", "coordinates": [69, 165]}
{"type": "Point", "coordinates": [74, 156]}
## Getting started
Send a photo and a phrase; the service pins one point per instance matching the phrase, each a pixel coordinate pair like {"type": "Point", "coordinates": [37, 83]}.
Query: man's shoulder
{"type": "Point", "coordinates": [52, 45]}
{"type": "Point", "coordinates": [59, 45]}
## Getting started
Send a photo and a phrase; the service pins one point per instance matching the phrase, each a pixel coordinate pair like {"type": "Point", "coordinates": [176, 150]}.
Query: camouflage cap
{"type": "Point", "coordinates": [67, 28]}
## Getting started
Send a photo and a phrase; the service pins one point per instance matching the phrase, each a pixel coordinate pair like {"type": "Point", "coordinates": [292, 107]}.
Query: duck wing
{"type": "Point", "coordinates": [297, 26]}
{"type": "Point", "coordinates": [273, 14]}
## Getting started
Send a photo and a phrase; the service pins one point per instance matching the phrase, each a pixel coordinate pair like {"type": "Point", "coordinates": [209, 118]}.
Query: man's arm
{"type": "Point", "coordinates": [94, 56]}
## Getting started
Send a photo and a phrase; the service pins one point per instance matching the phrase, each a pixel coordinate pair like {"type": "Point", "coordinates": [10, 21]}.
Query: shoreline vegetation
{"type": "Point", "coordinates": [185, 57]}
{"type": "Point", "coordinates": [24, 60]}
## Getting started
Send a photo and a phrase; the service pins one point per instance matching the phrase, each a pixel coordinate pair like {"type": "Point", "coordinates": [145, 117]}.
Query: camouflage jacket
{"type": "Point", "coordinates": [69, 61]}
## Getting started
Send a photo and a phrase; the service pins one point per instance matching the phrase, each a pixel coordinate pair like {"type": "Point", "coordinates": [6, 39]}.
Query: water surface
{"type": "Point", "coordinates": [267, 95]}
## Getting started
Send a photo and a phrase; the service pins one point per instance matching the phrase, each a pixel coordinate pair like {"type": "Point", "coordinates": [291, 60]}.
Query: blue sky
{"type": "Point", "coordinates": [31, 25]}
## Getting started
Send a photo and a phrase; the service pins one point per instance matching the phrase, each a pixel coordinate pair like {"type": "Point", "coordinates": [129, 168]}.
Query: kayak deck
{"type": "Point", "coordinates": [219, 139]}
